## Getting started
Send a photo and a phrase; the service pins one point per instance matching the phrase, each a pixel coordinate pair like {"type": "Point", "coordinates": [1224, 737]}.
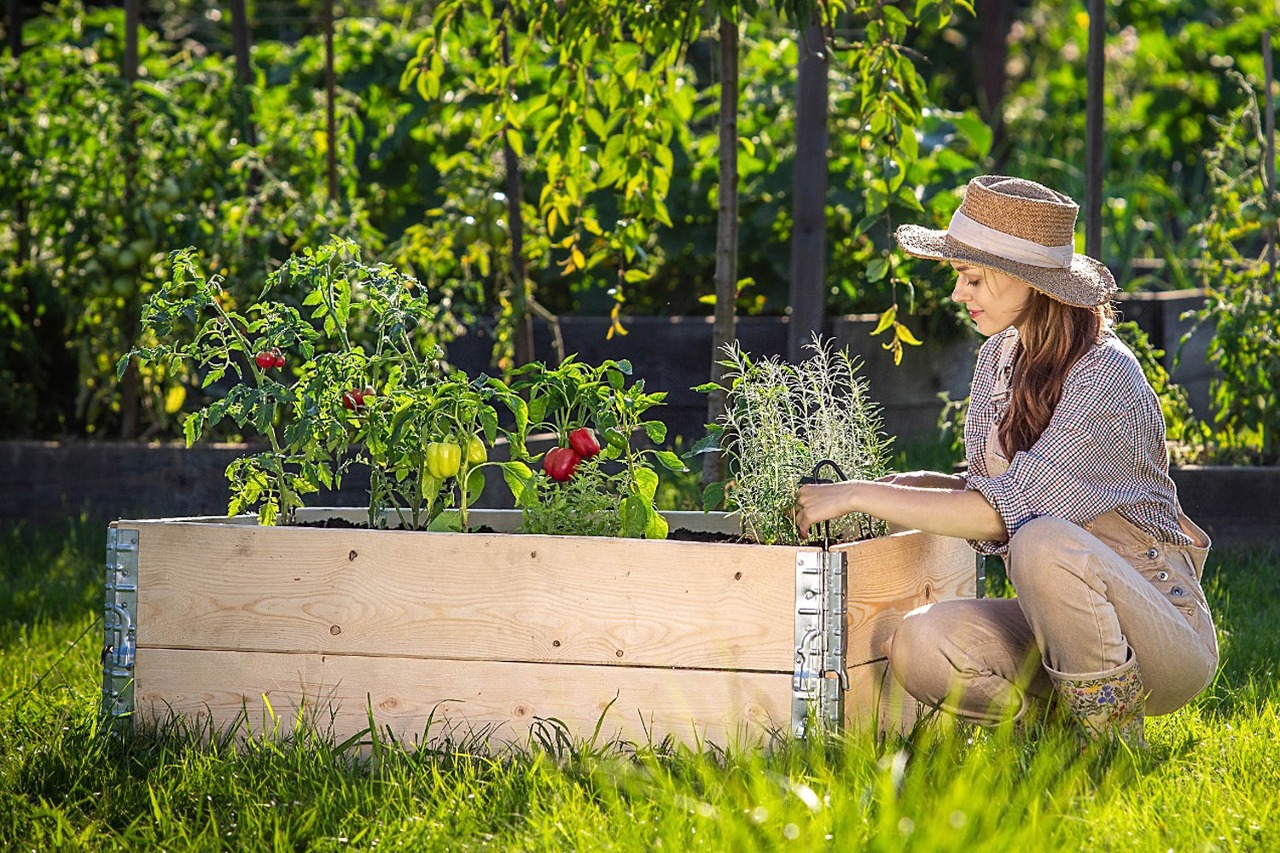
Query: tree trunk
{"type": "Point", "coordinates": [809, 196]}
{"type": "Point", "coordinates": [990, 54]}
{"type": "Point", "coordinates": [723, 331]}
{"type": "Point", "coordinates": [129, 387]}
{"type": "Point", "coordinates": [331, 123]}
{"type": "Point", "coordinates": [522, 319]}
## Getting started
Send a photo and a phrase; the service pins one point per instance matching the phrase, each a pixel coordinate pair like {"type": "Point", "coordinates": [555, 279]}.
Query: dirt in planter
{"type": "Point", "coordinates": [345, 524]}
{"type": "Point", "coordinates": [681, 534]}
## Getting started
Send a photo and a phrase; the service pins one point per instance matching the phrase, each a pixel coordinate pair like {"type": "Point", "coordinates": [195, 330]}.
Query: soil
{"type": "Point", "coordinates": [681, 534]}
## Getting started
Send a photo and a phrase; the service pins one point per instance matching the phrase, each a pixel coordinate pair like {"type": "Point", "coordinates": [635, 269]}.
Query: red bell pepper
{"type": "Point", "coordinates": [584, 442]}
{"type": "Point", "coordinates": [560, 463]}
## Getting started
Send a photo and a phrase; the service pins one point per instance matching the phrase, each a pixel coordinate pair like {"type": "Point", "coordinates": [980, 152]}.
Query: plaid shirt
{"type": "Point", "coordinates": [1103, 450]}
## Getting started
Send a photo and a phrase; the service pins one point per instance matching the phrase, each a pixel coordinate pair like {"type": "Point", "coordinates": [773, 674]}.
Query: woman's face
{"type": "Point", "coordinates": [994, 299]}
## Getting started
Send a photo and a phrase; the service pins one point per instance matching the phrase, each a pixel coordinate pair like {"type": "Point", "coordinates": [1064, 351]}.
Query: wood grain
{"type": "Point", "coordinates": [891, 576]}
{"type": "Point", "coordinates": [466, 596]}
{"type": "Point", "coordinates": [496, 702]}
{"type": "Point", "coordinates": [876, 701]}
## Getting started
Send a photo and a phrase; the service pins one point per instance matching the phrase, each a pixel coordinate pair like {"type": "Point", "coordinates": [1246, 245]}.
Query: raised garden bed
{"type": "Point", "coordinates": [452, 635]}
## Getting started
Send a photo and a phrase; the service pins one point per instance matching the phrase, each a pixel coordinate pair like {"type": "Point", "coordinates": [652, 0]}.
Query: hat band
{"type": "Point", "coordinates": [1007, 246]}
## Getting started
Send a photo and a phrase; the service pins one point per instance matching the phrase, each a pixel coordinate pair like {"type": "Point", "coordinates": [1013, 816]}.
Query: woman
{"type": "Point", "coordinates": [1067, 480]}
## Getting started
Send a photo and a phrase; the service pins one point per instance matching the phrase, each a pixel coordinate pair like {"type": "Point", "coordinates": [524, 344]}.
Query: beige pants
{"type": "Point", "coordinates": [1086, 597]}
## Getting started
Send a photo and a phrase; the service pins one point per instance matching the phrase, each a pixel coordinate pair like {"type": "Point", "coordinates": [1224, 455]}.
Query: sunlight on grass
{"type": "Point", "coordinates": [1207, 783]}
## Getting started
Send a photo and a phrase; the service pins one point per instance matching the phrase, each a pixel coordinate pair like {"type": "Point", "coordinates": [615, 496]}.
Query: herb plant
{"type": "Point", "coordinates": [781, 420]}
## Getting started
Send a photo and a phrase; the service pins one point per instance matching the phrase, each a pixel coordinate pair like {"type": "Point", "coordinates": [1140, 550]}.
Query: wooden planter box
{"type": "Point", "coordinates": [451, 635]}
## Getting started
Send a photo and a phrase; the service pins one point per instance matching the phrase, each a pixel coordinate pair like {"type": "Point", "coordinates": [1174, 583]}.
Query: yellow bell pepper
{"type": "Point", "coordinates": [443, 459]}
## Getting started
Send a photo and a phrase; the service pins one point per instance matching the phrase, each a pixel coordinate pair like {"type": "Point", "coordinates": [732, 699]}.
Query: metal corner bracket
{"type": "Point", "coordinates": [819, 681]}
{"type": "Point", "coordinates": [120, 635]}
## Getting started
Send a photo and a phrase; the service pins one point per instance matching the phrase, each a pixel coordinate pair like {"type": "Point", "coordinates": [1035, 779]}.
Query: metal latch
{"type": "Point", "coordinates": [819, 680]}
{"type": "Point", "coordinates": [120, 620]}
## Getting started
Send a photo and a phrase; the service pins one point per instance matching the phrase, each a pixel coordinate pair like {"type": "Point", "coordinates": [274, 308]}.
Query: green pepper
{"type": "Point", "coordinates": [443, 459]}
{"type": "Point", "coordinates": [477, 454]}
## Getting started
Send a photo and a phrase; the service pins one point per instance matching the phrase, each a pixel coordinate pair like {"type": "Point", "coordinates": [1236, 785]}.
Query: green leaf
{"type": "Point", "coordinates": [656, 430]}
{"type": "Point", "coordinates": [635, 516]}
{"type": "Point", "coordinates": [520, 481]}
{"type": "Point", "coordinates": [877, 269]}
{"type": "Point", "coordinates": [475, 485]}
{"type": "Point", "coordinates": [646, 483]}
{"type": "Point", "coordinates": [713, 496]}
{"type": "Point", "coordinates": [709, 443]}
{"type": "Point", "coordinates": [448, 521]}
{"type": "Point", "coordinates": [656, 527]}
{"type": "Point", "coordinates": [671, 461]}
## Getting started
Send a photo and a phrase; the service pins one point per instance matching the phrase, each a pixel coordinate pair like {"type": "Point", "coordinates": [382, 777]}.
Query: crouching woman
{"type": "Point", "coordinates": [1067, 480]}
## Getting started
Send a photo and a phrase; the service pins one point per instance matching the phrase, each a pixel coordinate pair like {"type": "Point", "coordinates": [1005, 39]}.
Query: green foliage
{"type": "Point", "coordinates": [780, 421]}
{"type": "Point", "coordinates": [1238, 269]}
{"type": "Point", "coordinates": [1165, 63]}
{"type": "Point", "coordinates": [611, 494]}
{"type": "Point", "coordinates": [302, 408]}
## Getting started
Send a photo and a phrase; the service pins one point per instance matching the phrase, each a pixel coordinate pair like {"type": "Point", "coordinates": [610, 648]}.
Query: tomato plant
{"type": "Point", "coordinates": [407, 421]}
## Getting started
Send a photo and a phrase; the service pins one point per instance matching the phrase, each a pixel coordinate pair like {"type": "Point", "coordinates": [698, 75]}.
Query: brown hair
{"type": "Point", "coordinates": [1052, 338]}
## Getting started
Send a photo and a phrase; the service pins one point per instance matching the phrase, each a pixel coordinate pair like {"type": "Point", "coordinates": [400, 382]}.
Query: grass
{"type": "Point", "coordinates": [1209, 782]}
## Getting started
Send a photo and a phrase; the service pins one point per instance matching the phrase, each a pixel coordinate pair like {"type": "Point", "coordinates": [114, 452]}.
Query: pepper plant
{"type": "Point", "coordinates": [586, 486]}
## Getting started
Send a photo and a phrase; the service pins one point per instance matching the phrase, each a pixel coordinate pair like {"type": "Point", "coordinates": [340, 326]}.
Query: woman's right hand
{"type": "Point", "coordinates": [924, 480]}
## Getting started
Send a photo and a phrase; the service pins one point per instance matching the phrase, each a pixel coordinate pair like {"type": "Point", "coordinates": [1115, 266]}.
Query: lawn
{"type": "Point", "coordinates": [1209, 782]}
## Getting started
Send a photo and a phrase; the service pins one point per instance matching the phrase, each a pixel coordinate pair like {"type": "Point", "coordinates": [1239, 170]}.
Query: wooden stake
{"type": "Point", "coordinates": [1270, 169]}
{"type": "Point", "coordinates": [515, 190]}
{"type": "Point", "coordinates": [724, 327]}
{"type": "Point", "coordinates": [1093, 134]}
{"type": "Point", "coordinates": [331, 125]}
{"type": "Point", "coordinates": [809, 196]}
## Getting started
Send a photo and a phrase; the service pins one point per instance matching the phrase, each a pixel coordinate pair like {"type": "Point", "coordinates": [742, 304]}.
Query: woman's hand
{"type": "Point", "coordinates": [819, 502]}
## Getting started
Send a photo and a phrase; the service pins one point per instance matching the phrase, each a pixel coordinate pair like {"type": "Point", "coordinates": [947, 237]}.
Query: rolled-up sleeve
{"type": "Point", "coordinates": [1089, 459]}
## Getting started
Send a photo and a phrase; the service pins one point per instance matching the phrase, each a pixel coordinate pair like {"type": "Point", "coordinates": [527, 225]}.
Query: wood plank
{"type": "Point", "coordinates": [468, 596]}
{"type": "Point", "coordinates": [891, 576]}
{"type": "Point", "coordinates": [876, 699]}
{"type": "Point", "coordinates": [501, 702]}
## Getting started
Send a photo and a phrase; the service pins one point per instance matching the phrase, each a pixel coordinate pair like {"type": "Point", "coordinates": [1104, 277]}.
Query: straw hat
{"type": "Point", "coordinates": [1021, 228]}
